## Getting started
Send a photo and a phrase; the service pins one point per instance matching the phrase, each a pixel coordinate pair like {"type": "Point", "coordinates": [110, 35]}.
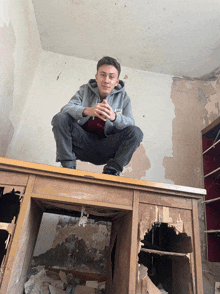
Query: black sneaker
{"type": "Point", "coordinates": [110, 171]}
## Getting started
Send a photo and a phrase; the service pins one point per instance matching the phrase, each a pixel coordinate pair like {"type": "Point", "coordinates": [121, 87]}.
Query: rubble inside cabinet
{"type": "Point", "coordinates": [77, 261]}
{"type": "Point", "coordinates": [45, 281]}
{"type": "Point", "coordinates": [9, 210]}
{"type": "Point", "coordinates": [164, 256]}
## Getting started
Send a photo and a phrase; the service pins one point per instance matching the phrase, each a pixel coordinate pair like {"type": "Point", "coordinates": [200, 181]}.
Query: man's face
{"type": "Point", "coordinates": [107, 79]}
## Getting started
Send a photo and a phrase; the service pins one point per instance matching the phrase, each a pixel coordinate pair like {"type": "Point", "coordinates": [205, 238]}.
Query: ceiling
{"type": "Point", "coordinates": [175, 37]}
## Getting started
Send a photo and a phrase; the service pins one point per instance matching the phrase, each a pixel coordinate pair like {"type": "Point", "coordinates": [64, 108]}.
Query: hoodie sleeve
{"type": "Point", "coordinates": [76, 105]}
{"type": "Point", "coordinates": [124, 117]}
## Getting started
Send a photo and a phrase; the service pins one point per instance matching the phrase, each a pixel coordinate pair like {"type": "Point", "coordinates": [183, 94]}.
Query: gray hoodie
{"type": "Point", "coordinates": [88, 95]}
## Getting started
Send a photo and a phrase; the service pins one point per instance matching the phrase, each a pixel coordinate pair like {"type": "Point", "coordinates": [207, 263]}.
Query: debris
{"type": "Point", "coordinates": [40, 283]}
{"type": "Point", "coordinates": [70, 289]}
{"type": "Point", "coordinates": [73, 281]}
{"type": "Point", "coordinates": [101, 285]}
{"type": "Point", "coordinates": [63, 277]}
{"type": "Point", "coordinates": [53, 282]}
{"type": "Point", "coordinates": [36, 285]}
{"type": "Point", "coordinates": [84, 217]}
{"type": "Point", "coordinates": [142, 272]}
{"type": "Point", "coordinates": [84, 290]}
{"type": "Point", "coordinates": [54, 290]}
{"type": "Point", "coordinates": [93, 284]}
{"type": "Point", "coordinates": [148, 287]}
{"type": "Point", "coordinates": [162, 291]}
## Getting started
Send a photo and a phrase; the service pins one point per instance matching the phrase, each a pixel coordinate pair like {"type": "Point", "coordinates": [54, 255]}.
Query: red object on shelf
{"type": "Point", "coordinates": [211, 165]}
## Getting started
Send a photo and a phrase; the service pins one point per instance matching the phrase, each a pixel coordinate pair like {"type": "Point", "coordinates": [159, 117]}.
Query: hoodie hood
{"type": "Point", "coordinates": [93, 86]}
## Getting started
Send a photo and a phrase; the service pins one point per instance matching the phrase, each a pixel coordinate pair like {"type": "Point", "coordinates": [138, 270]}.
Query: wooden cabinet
{"type": "Point", "coordinates": [138, 205]}
{"type": "Point", "coordinates": [211, 163]}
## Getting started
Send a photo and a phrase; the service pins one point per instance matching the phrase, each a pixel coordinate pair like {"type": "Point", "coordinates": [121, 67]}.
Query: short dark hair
{"type": "Point", "coordinates": [110, 61]}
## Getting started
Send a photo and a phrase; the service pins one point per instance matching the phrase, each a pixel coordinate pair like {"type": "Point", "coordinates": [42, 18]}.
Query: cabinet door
{"type": "Point", "coordinates": [168, 247]}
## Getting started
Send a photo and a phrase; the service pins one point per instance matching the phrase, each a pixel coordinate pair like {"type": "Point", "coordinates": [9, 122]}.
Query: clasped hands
{"type": "Point", "coordinates": [102, 110]}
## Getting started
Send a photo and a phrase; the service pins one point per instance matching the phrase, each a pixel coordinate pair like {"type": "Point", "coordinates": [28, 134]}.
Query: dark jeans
{"type": "Point", "coordinates": [73, 142]}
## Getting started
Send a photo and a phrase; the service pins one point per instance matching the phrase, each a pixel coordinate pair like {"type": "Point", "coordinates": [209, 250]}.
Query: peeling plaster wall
{"type": "Point", "coordinates": [71, 245]}
{"type": "Point", "coordinates": [185, 166]}
{"type": "Point", "coordinates": [196, 106]}
{"type": "Point", "coordinates": [211, 91]}
{"type": "Point", "coordinates": [20, 50]}
{"type": "Point", "coordinates": [58, 227]}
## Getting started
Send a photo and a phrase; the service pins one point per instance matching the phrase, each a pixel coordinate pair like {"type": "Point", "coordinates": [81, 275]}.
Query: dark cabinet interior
{"type": "Point", "coordinates": [211, 164]}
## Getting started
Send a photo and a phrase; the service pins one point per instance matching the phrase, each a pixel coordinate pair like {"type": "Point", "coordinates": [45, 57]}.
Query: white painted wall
{"type": "Point", "coordinates": [20, 51]}
{"type": "Point", "coordinates": [153, 111]}
{"type": "Point", "coordinates": [172, 37]}
{"type": "Point", "coordinates": [58, 77]}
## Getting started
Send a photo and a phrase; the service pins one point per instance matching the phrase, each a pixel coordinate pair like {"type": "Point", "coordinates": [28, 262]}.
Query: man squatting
{"type": "Point", "coordinates": [97, 125]}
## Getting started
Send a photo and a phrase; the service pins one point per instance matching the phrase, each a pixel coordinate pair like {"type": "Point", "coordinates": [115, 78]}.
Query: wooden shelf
{"type": "Point", "coordinates": [215, 173]}
{"type": "Point", "coordinates": [9, 227]}
{"type": "Point", "coordinates": [152, 251]}
{"type": "Point", "coordinates": [211, 200]}
{"type": "Point", "coordinates": [212, 126]}
{"type": "Point", "coordinates": [212, 231]}
{"type": "Point", "coordinates": [214, 148]}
